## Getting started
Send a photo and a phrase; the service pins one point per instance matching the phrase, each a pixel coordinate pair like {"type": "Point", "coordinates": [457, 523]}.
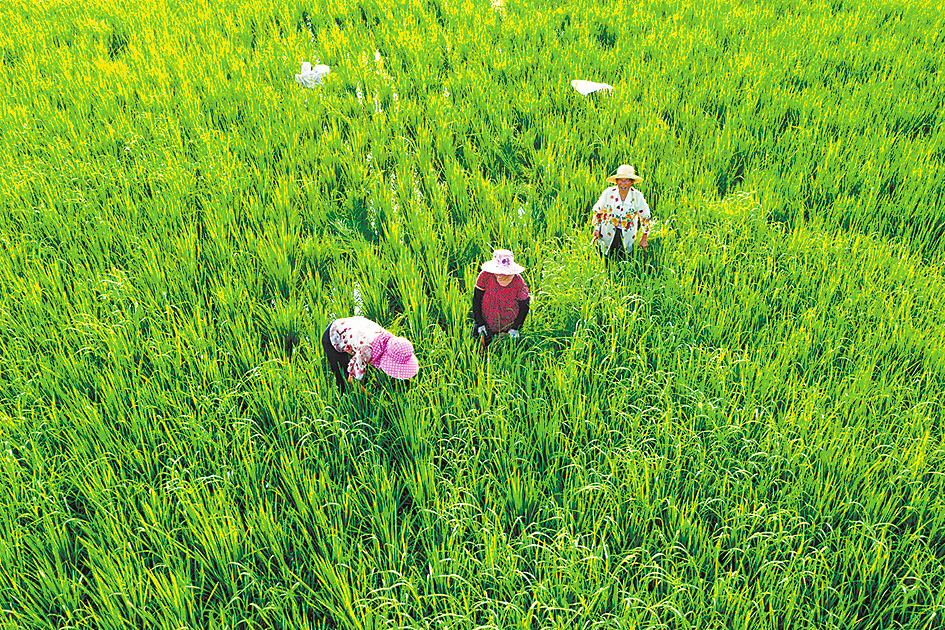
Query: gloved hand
{"type": "Point", "coordinates": [514, 334]}
{"type": "Point", "coordinates": [482, 331]}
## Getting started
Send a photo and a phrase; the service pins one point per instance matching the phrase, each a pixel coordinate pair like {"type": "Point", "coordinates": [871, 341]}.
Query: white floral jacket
{"type": "Point", "coordinates": [629, 215]}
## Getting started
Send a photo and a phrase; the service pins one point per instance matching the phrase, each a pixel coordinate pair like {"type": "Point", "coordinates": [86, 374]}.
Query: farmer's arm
{"type": "Point", "coordinates": [523, 306]}
{"type": "Point", "coordinates": [599, 213]}
{"type": "Point", "coordinates": [644, 221]}
{"type": "Point", "coordinates": [477, 307]}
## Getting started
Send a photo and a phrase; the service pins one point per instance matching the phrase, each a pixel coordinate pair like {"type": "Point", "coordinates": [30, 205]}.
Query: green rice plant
{"type": "Point", "coordinates": [736, 427]}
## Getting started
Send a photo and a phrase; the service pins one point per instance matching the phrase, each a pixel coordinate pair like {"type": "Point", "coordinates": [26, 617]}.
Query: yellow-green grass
{"type": "Point", "coordinates": [740, 427]}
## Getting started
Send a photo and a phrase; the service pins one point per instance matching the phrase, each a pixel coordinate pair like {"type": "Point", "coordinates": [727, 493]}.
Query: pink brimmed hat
{"type": "Point", "coordinates": [502, 263]}
{"type": "Point", "coordinates": [394, 356]}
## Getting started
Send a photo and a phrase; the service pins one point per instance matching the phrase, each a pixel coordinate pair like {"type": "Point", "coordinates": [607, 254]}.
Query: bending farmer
{"type": "Point", "coordinates": [353, 343]}
{"type": "Point", "coordinates": [500, 299]}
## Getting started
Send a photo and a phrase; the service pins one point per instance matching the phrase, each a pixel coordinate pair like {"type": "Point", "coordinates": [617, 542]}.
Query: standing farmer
{"type": "Point", "coordinates": [620, 212]}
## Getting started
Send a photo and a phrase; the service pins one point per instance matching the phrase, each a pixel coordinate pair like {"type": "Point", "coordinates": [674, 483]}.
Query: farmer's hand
{"type": "Point", "coordinates": [596, 233]}
{"type": "Point", "coordinates": [643, 242]}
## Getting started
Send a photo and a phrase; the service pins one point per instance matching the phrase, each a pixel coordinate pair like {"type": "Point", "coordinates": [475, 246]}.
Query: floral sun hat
{"type": "Point", "coordinates": [625, 171]}
{"type": "Point", "coordinates": [502, 263]}
{"type": "Point", "coordinates": [394, 356]}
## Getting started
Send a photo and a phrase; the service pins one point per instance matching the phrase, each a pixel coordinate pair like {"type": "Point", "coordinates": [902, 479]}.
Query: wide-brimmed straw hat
{"type": "Point", "coordinates": [502, 263]}
{"type": "Point", "coordinates": [625, 172]}
{"type": "Point", "coordinates": [394, 356]}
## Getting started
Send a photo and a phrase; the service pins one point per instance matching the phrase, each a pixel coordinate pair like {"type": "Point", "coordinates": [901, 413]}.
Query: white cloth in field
{"type": "Point", "coordinates": [586, 87]}
{"type": "Point", "coordinates": [310, 76]}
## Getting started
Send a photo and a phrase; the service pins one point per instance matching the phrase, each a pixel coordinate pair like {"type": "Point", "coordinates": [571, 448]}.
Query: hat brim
{"type": "Point", "coordinates": [397, 369]}
{"type": "Point", "coordinates": [511, 270]}
{"type": "Point", "coordinates": [613, 179]}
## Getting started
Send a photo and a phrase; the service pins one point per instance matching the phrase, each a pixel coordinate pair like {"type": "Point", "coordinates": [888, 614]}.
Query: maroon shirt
{"type": "Point", "coordinates": [500, 304]}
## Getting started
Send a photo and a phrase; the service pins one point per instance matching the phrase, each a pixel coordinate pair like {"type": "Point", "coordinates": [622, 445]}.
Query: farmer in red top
{"type": "Point", "coordinates": [501, 299]}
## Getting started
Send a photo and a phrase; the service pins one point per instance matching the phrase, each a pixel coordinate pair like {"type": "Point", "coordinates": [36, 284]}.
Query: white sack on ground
{"type": "Point", "coordinates": [310, 76]}
{"type": "Point", "coordinates": [586, 87]}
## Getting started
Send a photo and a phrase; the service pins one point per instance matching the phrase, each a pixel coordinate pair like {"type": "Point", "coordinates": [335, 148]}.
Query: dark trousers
{"type": "Point", "coordinates": [616, 247]}
{"type": "Point", "coordinates": [337, 360]}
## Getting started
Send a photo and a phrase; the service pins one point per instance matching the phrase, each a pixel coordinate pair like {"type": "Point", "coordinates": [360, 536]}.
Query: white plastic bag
{"type": "Point", "coordinates": [310, 76]}
{"type": "Point", "coordinates": [586, 87]}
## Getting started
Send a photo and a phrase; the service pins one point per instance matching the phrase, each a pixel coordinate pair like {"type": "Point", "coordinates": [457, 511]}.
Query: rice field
{"type": "Point", "coordinates": [738, 428]}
